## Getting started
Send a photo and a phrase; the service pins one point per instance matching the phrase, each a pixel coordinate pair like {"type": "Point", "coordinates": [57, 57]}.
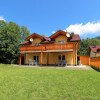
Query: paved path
{"type": "Point", "coordinates": [81, 67]}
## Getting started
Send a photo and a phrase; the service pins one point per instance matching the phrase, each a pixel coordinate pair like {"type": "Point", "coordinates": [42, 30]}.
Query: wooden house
{"type": "Point", "coordinates": [94, 51]}
{"type": "Point", "coordinates": [58, 49]}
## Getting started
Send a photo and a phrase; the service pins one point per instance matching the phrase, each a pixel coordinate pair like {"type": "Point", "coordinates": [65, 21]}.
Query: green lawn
{"type": "Point", "coordinates": [17, 83]}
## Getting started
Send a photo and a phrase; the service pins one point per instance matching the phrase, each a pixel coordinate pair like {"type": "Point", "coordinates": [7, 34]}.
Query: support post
{"type": "Point", "coordinates": [41, 60]}
{"type": "Point", "coordinates": [75, 54]}
{"type": "Point", "coordinates": [73, 57]}
{"type": "Point", "coordinates": [47, 58]}
{"type": "Point", "coordinates": [20, 58]}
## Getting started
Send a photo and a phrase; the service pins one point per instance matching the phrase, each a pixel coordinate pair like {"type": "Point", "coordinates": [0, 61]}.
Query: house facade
{"type": "Point", "coordinates": [94, 51]}
{"type": "Point", "coordinates": [60, 48]}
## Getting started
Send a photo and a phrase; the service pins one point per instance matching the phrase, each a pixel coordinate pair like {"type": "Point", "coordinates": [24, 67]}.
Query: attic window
{"type": "Point", "coordinates": [61, 42]}
{"type": "Point", "coordinates": [36, 44]}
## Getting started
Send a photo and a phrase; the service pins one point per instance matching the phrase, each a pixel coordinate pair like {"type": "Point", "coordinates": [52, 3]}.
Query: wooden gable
{"type": "Point", "coordinates": [34, 35]}
{"type": "Point", "coordinates": [56, 34]}
{"type": "Point", "coordinates": [36, 39]}
{"type": "Point", "coordinates": [59, 36]}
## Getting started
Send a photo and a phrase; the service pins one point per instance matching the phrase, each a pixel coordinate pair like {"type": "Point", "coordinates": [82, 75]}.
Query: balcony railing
{"type": "Point", "coordinates": [59, 46]}
{"type": "Point", "coordinates": [32, 48]}
{"type": "Point", "coordinates": [47, 47]}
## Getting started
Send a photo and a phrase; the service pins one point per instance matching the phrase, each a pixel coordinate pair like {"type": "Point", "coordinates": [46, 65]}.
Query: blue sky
{"type": "Point", "coordinates": [46, 16]}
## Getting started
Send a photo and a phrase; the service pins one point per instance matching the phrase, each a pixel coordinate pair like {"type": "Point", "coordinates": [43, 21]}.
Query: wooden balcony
{"type": "Point", "coordinates": [32, 48]}
{"type": "Point", "coordinates": [47, 47]}
{"type": "Point", "coordinates": [59, 46]}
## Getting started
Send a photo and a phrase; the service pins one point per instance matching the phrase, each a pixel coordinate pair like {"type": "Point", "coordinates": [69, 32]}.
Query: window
{"type": "Point", "coordinates": [36, 58]}
{"type": "Point", "coordinates": [36, 44]}
{"type": "Point", "coordinates": [61, 42]}
{"type": "Point", "coordinates": [98, 50]}
{"type": "Point", "coordinates": [61, 57]}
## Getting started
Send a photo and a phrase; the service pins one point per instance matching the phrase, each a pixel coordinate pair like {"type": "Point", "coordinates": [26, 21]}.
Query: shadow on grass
{"type": "Point", "coordinates": [96, 68]}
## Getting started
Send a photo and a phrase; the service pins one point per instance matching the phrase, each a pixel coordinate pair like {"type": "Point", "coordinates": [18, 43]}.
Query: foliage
{"type": "Point", "coordinates": [10, 38]}
{"type": "Point", "coordinates": [24, 33]}
{"type": "Point", "coordinates": [83, 48]}
{"type": "Point", "coordinates": [17, 83]}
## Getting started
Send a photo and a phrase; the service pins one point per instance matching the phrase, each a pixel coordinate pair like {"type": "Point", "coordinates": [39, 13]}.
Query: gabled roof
{"type": "Point", "coordinates": [75, 37]}
{"type": "Point", "coordinates": [34, 35]}
{"type": "Point", "coordinates": [25, 43]}
{"type": "Point", "coordinates": [95, 48]}
{"type": "Point", "coordinates": [59, 32]}
{"type": "Point", "coordinates": [47, 39]}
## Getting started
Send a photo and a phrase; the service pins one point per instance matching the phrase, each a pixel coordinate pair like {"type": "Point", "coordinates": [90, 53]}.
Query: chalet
{"type": "Point", "coordinates": [94, 51]}
{"type": "Point", "coordinates": [58, 49]}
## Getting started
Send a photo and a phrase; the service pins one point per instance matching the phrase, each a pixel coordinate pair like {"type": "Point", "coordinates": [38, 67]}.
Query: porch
{"type": "Point", "coordinates": [61, 58]}
{"type": "Point", "coordinates": [49, 54]}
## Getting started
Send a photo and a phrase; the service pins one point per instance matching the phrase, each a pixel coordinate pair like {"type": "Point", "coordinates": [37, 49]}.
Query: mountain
{"type": "Point", "coordinates": [97, 37]}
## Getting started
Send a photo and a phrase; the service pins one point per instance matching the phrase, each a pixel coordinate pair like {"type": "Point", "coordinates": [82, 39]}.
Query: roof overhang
{"type": "Point", "coordinates": [70, 50]}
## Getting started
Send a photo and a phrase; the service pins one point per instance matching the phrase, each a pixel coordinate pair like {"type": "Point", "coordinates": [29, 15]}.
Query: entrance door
{"type": "Point", "coordinates": [36, 60]}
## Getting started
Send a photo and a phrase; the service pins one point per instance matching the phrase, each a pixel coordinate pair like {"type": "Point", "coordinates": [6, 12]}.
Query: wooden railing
{"type": "Point", "coordinates": [32, 48]}
{"type": "Point", "coordinates": [59, 46]}
{"type": "Point", "coordinates": [47, 47]}
{"type": "Point", "coordinates": [95, 62]}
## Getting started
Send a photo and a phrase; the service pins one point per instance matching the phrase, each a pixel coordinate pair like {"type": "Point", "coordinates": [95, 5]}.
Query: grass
{"type": "Point", "coordinates": [17, 83]}
{"type": "Point", "coordinates": [96, 68]}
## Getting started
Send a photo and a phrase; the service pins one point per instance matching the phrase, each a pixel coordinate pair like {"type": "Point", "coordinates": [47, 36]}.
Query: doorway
{"type": "Point", "coordinates": [61, 60]}
{"type": "Point", "coordinates": [36, 60]}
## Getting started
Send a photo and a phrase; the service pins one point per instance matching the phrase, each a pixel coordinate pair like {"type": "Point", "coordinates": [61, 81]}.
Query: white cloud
{"type": "Point", "coordinates": [1, 18]}
{"type": "Point", "coordinates": [84, 29]}
{"type": "Point", "coordinates": [53, 32]}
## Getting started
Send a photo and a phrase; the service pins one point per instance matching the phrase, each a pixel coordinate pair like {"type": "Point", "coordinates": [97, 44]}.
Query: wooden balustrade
{"type": "Point", "coordinates": [47, 47]}
{"type": "Point", "coordinates": [59, 46]}
{"type": "Point", "coordinates": [32, 48]}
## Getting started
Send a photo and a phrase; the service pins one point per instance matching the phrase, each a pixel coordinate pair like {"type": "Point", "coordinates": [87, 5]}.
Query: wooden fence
{"type": "Point", "coordinates": [86, 60]}
{"type": "Point", "coordinates": [95, 62]}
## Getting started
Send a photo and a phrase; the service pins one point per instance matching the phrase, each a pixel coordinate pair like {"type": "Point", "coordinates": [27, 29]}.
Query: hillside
{"type": "Point", "coordinates": [97, 38]}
